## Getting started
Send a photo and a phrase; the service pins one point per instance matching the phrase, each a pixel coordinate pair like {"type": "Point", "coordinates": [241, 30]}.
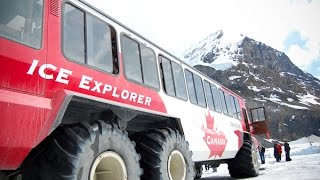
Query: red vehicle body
{"type": "Point", "coordinates": [42, 89]}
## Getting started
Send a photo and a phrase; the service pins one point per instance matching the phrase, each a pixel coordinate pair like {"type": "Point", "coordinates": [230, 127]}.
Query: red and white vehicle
{"type": "Point", "coordinates": [84, 97]}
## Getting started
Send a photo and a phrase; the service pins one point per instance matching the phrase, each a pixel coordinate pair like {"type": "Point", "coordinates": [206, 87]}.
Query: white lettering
{"type": "Point", "coordinates": [148, 101]}
{"type": "Point", "coordinates": [63, 76]}
{"type": "Point", "coordinates": [50, 71]}
{"type": "Point", "coordinates": [106, 88]}
{"type": "Point", "coordinates": [215, 141]}
{"type": "Point", "coordinates": [42, 72]}
{"type": "Point", "coordinates": [33, 67]}
{"type": "Point", "coordinates": [97, 86]}
{"type": "Point", "coordinates": [140, 99]}
{"type": "Point", "coordinates": [114, 93]}
{"type": "Point", "coordinates": [125, 94]}
{"type": "Point", "coordinates": [133, 97]}
{"type": "Point", "coordinates": [85, 80]}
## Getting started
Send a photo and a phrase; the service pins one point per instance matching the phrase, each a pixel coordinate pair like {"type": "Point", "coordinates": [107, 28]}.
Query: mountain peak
{"type": "Point", "coordinates": [263, 76]}
{"type": "Point", "coordinates": [218, 50]}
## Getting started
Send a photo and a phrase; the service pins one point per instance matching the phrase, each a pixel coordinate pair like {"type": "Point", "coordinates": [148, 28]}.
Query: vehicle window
{"type": "Point", "coordinates": [190, 86]}
{"type": "Point", "coordinates": [73, 33]}
{"type": "Point", "coordinates": [131, 59]}
{"type": "Point", "coordinates": [233, 107]}
{"type": "Point", "coordinates": [89, 40]}
{"type": "Point", "coordinates": [199, 90]}
{"type": "Point", "coordinates": [99, 48]}
{"type": "Point", "coordinates": [149, 67]}
{"type": "Point", "coordinates": [22, 21]}
{"type": "Point", "coordinates": [216, 98]}
{"type": "Point", "coordinates": [258, 114]}
{"type": "Point", "coordinates": [237, 106]}
{"type": "Point", "coordinates": [223, 101]}
{"type": "Point", "coordinates": [139, 62]}
{"type": "Point", "coordinates": [227, 97]}
{"type": "Point", "coordinates": [209, 95]}
{"type": "Point", "coordinates": [179, 81]}
{"type": "Point", "coordinates": [168, 78]}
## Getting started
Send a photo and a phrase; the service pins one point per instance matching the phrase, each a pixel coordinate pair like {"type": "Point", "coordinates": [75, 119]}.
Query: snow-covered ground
{"type": "Point", "coordinates": [305, 163]}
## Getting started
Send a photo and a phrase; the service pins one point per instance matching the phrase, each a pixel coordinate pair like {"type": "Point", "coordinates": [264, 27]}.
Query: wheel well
{"type": "Point", "coordinates": [82, 109]}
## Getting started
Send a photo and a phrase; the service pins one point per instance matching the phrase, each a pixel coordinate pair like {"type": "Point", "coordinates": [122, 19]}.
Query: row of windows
{"type": "Point", "coordinates": [89, 40]}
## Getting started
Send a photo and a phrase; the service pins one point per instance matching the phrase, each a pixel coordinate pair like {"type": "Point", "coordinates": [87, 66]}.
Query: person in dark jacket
{"type": "Point", "coordinates": [287, 150]}
{"type": "Point", "coordinates": [275, 151]}
{"type": "Point", "coordinates": [261, 152]}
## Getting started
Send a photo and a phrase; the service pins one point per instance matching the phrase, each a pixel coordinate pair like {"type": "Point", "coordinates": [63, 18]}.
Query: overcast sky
{"type": "Point", "coordinates": [290, 26]}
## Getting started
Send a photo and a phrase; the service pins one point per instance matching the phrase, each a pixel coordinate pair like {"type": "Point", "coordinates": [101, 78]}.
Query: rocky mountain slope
{"type": "Point", "coordinates": [264, 76]}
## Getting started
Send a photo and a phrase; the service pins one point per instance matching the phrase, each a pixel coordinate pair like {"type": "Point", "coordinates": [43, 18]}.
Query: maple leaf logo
{"type": "Point", "coordinates": [215, 139]}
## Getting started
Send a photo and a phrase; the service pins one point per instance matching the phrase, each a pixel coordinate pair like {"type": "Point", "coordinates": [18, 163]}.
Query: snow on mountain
{"type": "Point", "coordinates": [256, 65]}
{"type": "Point", "coordinates": [224, 47]}
{"type": "Point", "coordinates": [308, 99]}
{"type": "Point", "coordinates": [263, 76]}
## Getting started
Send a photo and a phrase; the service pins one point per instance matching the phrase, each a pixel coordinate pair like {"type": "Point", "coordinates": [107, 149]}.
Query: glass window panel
{"type": "Point", "coordinates": [233, 106]}
{"type": "Point", "coordinates": [131, 59]}
{"type": "Point", "coordinates": [73, 33]}
{"type": "Point", "coordinates": [179, 81]}
{"type": "Point", "coordinates": [236, 107]}
{"type": "Point", "coordinates": [261, 114]}
{"type": "Point", "coordinates": [99, 47]}
{"type": "Point", "coordinates": [199, 90]}
{"type": "Point", "coordinates": [209, 95]}
{"type": "Point", "coordinates": [255, 117]}
{"type": "Point", "coordinates": [228, 103]}
{"type": "Point", "coordinates": [223, 102]}
{"type": "Point", "coordinates": [149, 67]}
{"type": "Point", "coordinates": [21, 21]}
{"type": "Point", "coordinates": [216, 98]}
{"type": "Point", "coordinates": [190, 86]}
{"type": "Point", "coordinates": [168, 78]}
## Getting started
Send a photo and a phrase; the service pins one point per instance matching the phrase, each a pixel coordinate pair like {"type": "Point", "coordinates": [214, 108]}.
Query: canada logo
{"type": "Point", "coordinates": [215, 139]}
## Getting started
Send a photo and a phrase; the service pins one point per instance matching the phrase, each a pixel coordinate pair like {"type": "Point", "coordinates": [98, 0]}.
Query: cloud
{"type": "Point", "coordinates": [294, 38]}
{"type": "Point", "coordinates": [304, 56]}
{"type": "Point", "coordinates": [291, 26]}
{"type": "Point", "coordinates": [314, 68]}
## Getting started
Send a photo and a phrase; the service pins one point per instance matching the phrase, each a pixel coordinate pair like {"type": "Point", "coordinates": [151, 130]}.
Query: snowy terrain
{"type": "Point", "coordinates": [305, 164]}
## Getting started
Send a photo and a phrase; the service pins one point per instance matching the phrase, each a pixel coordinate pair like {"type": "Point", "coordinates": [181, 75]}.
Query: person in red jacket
{"type": "Point", "coordinates": [279, 150]}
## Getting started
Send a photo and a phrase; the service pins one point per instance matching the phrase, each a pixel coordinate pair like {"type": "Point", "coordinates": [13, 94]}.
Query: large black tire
{"type": "Point", "coordinates": [165, 155]}
{"type": "Point", "coordinates": [86, 150]}
{"type": "Point", "coordinates": [245, 164]}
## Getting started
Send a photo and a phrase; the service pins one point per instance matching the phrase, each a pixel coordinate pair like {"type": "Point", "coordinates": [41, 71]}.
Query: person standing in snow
{"type": "Point", "coordinates": [275, 152]}
{"type": "Point", "coordinates": [261, 153]}
{"type": "Point", "coordinates": [287, 150]}
{"type": "Point", "coordinates": [279, 150]}
{"type": "Point", "coordinates": [206, 167]}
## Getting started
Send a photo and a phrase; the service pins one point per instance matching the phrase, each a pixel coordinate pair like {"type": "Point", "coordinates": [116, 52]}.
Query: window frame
{"type": "Point", "coordinates": [160, 56]}
{"type": "Point", "coordinates": [223, 102]}
{"type": "Point", "coordinates": [42, 33]}
{"type": "Point", "coordinates": [124, 68]}
{"type": "Point", "coordinates": [194, 87]}
{"type": "Point", "coordinates": [216, 101]}
{"type": "Point", "coordinates": [212, 106]}
{"type": "Point", "coordinates": [237, 104]}
{"type": "Point", "coordinates": [116, 55]}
